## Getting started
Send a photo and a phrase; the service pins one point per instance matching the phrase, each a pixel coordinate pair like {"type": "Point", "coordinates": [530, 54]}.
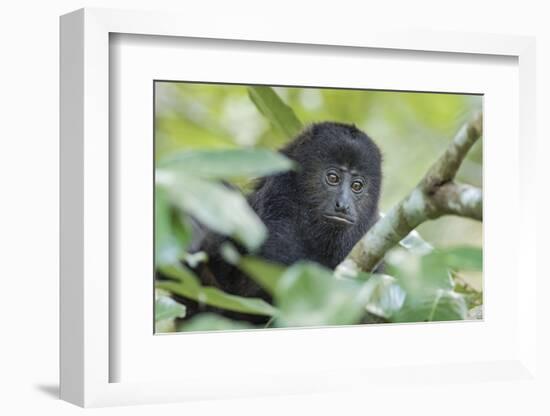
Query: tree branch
{"type": "Point", "coordinates": [436, 195]}
{"type": "Point", "coordinates": [459, 199]}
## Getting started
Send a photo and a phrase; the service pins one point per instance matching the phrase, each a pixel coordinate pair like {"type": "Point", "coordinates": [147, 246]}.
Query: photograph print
{"type": "Point", "coordinates": [295, 207]}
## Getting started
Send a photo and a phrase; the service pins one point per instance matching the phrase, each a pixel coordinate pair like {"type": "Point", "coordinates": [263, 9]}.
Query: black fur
{"type": "Point", "coordinates": [293, 205]}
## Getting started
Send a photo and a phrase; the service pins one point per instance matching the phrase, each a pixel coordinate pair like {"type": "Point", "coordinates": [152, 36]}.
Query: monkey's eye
{"type": "Point", "coordinates": [332, 178]}
{"type": "Point", "coordinates": [356, 186]}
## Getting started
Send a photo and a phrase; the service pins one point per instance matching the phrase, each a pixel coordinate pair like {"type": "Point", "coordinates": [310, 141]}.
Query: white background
{"type": "Point", "coordinates": [29, 207]}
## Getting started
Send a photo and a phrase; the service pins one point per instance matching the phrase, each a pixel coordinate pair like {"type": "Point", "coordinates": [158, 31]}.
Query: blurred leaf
{"type": "Point", "coordinates": [416, 244]}
{"type": "Point", "coordinates": [219, 208]}
{"type": "Point", "coordinates": [463, 258]}
{"type": "Point", "coordinates": [418, 273]}
{"type": "Point", "coordinates": [226, 164]}
{"type": "Point", "coordinates": [437, 265]}
{"type": "Point", "coordinates": [216, 297]}
{"type": "Point", "coordinates": [281, 116]}
{"type": "Point", "coordinates": [173, 135]}
{"type": "Point", "coordinates": [212, 322]}
{"type": "Point", "coordinates": [256, 306]}
{"type": "Point", "coordinates": [435, 305]}
{"type": "Point", "coordinates": [309, 295]}
{"type": "Point", "coordinates": [475, 313]}
{"type": "Point", "coordinates": [230, 253]}
{"type": "Point", "coordinates": [188, 286]}
{"type": "Point", "coordinates": [429, 286]}
{"type": "Point", "coordinates": [194, 259]}
{"type": "Point", "coordinates": [385, 296]}
{"type": "Point", "coordinates": [171, 236]}
{"type": "Point", "coordinates": [181, 228]}
{"type": "Point", "coordinates": [435, 272]}
{"type": "Point", "coordinates": [167, 308]}
{"type": "Point", "coordinates": [166, 326]}
{"type": "Point", "coordinates": [265, 273]}
{"type": "Point", "coordinates": [472, 296]}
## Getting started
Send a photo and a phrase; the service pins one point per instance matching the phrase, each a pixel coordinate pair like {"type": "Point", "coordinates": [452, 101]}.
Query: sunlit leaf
{"type": "Point", "coordinates": [227, 164]}
{"type": "Point", "coordinates": [280, 115]}
{"type": "Point", "coordinates": [219, 208]}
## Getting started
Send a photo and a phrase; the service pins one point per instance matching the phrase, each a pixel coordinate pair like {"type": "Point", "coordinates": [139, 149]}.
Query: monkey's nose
{"type": "Point", "coordinates": [341, 206]}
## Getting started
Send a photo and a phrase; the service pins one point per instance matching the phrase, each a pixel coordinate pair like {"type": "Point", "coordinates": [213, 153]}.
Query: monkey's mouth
{"type": "Point", "coordinates": [340, 219]}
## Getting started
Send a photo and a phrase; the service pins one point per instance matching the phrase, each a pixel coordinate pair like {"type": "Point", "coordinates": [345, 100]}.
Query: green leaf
{"type": "Point", "coordinates": [429, 286]}
{"type": "Point", "coordinates": [219, 208]}
{"type": "Point", "coordinates": [230, 253]}
{"type": "Point", "coordinates": [171, 236]}
{"type": "Point", "coordinates": [309, 295]}
{"type": "Point", "coordinates": [187, 285]}
{"type": "Point", "coordinates": [167, 308]}
{"type": "Point", "coordinates": [416, 244]}
{"type": "Point", "coordinates": [385, 296]}
{"type": "Point", "coordinates": [436, 267]}
{"type": "Point", "coordinates": [265, 273]}
{"type": "Point", "coordinates": [227, 164]}
{"type": "Point", "coordinates": [464, 258]}
{"type": "Point", "coordinates": [435, 305]}
{"type": "Point", "coordinates": [417, 274]}
{"type": "Point", "coordinates": [280, 115]}
{"type": "Point", "coordinates": [213, 322]}
{"type": "Point", "coordinates": [166, 326]}
{"type": "Point", "coordinates": [435, 272]}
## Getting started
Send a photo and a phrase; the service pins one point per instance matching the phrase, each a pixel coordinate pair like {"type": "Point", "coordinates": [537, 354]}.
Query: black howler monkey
{"type": "Point", "coordinates": [316, 212]}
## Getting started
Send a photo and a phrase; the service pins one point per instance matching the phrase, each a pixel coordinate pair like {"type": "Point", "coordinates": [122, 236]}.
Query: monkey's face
{"type": "Point", "coordinates": [338, 183]}
{"type": "Point", "coordinates": [345, 191]}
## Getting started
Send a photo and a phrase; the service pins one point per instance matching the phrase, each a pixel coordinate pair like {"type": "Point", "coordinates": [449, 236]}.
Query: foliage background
{"type": "Point", "coordinates": [411, 128]}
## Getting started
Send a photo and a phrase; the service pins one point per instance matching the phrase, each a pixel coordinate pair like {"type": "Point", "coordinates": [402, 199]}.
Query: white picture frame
{"type": "Point", "coordinates": [87, 356]}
